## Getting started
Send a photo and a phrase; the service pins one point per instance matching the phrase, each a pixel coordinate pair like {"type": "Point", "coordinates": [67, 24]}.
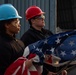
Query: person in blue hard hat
{"type": "Point", "coordinates": [10, 47]}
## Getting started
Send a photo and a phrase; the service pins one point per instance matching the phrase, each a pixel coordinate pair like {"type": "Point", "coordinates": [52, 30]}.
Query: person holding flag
{"type": "Point", "coordinates": [10, 47]}
{"type": "Point", "coordinates": [35, 16]}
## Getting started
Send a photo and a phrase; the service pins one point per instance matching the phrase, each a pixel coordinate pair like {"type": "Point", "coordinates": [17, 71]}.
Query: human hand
{"type": "Point", "coordinates": [51, 73]}
{"type": "Point", "coordinates": [64, 72]}
{"type": "Point", "coordinates": [32, 53]}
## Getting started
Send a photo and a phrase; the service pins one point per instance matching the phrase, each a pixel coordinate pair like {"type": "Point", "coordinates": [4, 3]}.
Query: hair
{"type": "Point", "coordinates": [30, 22]}
{"type": "Point", "coordinates": [35, 17]}
{"type": "Point", "coordinates": [2, 25]}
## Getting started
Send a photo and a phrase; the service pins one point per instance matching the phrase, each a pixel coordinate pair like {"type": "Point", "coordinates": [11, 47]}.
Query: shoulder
{"type": "Point", "coordinates": [47, 31]}
{"type": "Point", "coordinates": [29, 33]}
{"type": "Point", "coordinates": [20, 42]}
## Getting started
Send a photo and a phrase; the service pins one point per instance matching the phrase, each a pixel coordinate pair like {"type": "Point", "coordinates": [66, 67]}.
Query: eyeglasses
{"type": "Point", "coordinates": [39, 17]}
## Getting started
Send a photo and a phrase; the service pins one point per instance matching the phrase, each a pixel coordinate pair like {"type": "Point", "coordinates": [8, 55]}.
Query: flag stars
{"type": "Point", "coordinates": [33, 46]}
{"type": "Point", "coordinates": [63, 53]}
{"type": "Point", "coordinates": [52, 50]}
{"type": "Point", "coordinates": [37, 49]}
{"type": "Point", "coordinates": [40, 50]}
{"type": "Point", "coordinates": [66, 34]}
{"type": "Point", "coordinates": [45, 42]}
{"type": "Point", "coordinates": [73, 52]}
{"type": "Point", "coordinates": [58, 41]}
{"type": "Point", "coordinates": [71, 43]}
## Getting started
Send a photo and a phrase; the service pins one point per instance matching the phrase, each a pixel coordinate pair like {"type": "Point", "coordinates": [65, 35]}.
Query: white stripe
{"type": "Point", "coordinates": [26, 52]}
{"type": "Point", "coordinates": [16, 70]}
{"type": "Point", "coordinates": [23, 68]}
{"type": "Point", "coordinates": [29, 73]}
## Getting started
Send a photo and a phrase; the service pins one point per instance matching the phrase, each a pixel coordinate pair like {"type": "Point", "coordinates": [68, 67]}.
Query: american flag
{"type": "Point", "coordinates": [19, 67]}
{"type": "Point", "coordinates": [62, 45]}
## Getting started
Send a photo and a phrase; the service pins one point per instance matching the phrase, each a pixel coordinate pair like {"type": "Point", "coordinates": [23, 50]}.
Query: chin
{"type": "Point", "coordinates": [42, 25]}
{"type": "Point", "coordinates": [17, 32]}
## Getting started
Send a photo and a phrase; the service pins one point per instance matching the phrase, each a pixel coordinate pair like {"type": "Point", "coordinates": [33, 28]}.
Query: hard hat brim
{"type": "Point", "coordinates": [11, 18]}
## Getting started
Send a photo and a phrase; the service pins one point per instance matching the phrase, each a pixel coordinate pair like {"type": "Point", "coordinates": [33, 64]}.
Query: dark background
{"type": "Point", "coordinates": [66, 14]}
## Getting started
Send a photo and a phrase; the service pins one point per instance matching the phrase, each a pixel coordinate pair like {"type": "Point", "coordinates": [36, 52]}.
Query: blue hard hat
{"type": "Point", "coordinates": [8, 11]}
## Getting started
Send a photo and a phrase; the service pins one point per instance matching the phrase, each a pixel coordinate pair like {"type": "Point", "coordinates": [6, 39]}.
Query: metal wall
{"type": "Point", "coordinates": [48, 6]}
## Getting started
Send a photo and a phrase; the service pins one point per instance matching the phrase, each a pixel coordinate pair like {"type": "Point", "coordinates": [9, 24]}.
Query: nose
{"type": "Point", "coordinates": [19, 25]}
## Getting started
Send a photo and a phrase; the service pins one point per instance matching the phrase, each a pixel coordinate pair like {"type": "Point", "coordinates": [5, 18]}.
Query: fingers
{"type": "Point", "coordinates": [51, 73]}
{"type": "Point", "coordinates": [64, 72]}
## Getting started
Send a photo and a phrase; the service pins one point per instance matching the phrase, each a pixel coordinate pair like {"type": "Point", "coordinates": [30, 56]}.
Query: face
{"type": "Point", "coordinates": [13, 27]}
{"type": "Point", "coordinates": [38, 21]}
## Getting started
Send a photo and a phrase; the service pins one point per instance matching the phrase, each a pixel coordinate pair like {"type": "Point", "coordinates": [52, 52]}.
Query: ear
{"type": "Point", "coordinates": [7, 26]}
{"type": "Point", "coordinates": [32, 20]}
